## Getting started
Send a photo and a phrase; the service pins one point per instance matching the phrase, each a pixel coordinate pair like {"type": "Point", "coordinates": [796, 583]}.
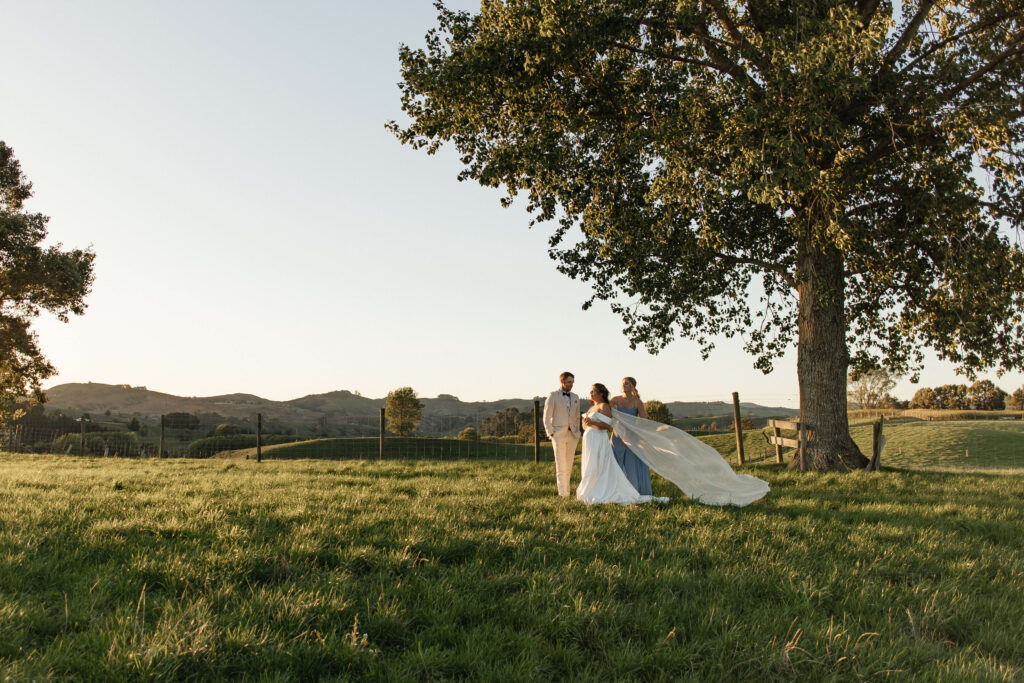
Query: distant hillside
{"type": "Point", "coordinates": [441, 415]}
{"type": "Point", "coordinates": [96, 398]}
{"type": "Point", "coordinates": [713, 408]}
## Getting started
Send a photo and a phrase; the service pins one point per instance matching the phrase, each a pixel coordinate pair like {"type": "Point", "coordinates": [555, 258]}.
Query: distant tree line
{"type": "Point", "coordinates": [511, 422]}
{"type": "Point", "coordinates": [871, 389]}
{"type": "Point", "coordinates": [982, 395]}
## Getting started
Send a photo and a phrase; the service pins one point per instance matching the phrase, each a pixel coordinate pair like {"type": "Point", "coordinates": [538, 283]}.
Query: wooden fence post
{"type": "Point", "coordinates": [876, 444]}
{"type": "Point", "coordinates": [259, 437]}
{"type": "Point", "coordinates": [380, 455]}
{"type": "Point", "coordinates": [536, 431]}
{"type": "Point", "coordinates": [802, 452]}
{"type": "Point", "coordinates": [778, 446]}
{"type": "Point", "coordinates": [160, 452]}
{"type": "Point", "coordinates": [81, 437]}
{"type": "Point", "coordinates": [739, 428]}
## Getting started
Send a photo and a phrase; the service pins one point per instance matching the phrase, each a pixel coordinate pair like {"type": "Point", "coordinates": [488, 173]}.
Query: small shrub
{"type": "Point", "coordinates": [98, 443]}
{"type": "Point", "coordinates": [228, 430]}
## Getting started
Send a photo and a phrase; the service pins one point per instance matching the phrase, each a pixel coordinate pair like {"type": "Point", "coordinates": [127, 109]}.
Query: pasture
{"type": "Point", "coordinates": [291, 569]}
{"type": "Point", "coordinates": [978, 445]}
{"type": "Point", "coordinates": [915, 444]}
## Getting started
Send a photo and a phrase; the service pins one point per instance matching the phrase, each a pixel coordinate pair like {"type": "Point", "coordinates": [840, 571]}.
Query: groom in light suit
{"type": "Point", "coordinates": [562, 424]}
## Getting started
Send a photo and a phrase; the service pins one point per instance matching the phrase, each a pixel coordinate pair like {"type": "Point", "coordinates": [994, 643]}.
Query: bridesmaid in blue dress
{"type": "Point", "coordinates": [635, 469]}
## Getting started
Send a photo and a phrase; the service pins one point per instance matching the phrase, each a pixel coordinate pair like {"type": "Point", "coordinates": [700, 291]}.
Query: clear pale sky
{"type": "Point", "coordinates": [258, 230]}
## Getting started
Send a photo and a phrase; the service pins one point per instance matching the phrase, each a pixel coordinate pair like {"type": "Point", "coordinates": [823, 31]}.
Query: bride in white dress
{"type": "Point", "coordinates": [695, 467]}
{"type": "Point", "coordinates": [603, 480]}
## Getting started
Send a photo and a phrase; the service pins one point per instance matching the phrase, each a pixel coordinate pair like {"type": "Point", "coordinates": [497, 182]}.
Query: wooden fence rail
{"type": "Point", "coordinates": [802, 443]}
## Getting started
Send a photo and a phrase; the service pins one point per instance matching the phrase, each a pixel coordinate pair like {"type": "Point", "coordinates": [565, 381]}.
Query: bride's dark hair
{"type": "Point", "coordinates": [603, 390]}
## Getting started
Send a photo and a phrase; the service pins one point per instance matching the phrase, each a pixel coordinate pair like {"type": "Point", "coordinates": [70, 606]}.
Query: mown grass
{"type": "Point", "coordinates": [981, 445]}
{"type": "Point", "coordinates": [966, 445]}
{"type": "Point", "coordinates": [131, 569]}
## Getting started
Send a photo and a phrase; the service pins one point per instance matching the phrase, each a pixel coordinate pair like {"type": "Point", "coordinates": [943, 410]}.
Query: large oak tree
{"type": "Point", "coordinates": [844, 175]}
{"type": "Point", "coordinates": [34, 277]}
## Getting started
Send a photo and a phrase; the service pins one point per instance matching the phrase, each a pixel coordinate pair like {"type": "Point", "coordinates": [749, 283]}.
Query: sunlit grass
{"type": "Point", "coordinates": [981, 445]}
{"type": "Point", "coordinates": [135, 568]}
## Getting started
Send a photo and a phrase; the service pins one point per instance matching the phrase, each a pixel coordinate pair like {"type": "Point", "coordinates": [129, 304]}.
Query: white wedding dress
{"type": "Point", "coordinates": [695, 467]}
{"type": "Point", "coordinates": [603, 480]}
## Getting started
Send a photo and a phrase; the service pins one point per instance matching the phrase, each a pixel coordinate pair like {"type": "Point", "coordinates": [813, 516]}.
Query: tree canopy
{"type": "Point", "coordinates": [867, 388]}
{"type": "Point", "coordinates": [1015, 401]}
{"type": "Point", "coordinates": [841, 174]}
{"type": "Point", "coordinates": [658, 411]}
{"type": "Point", "coordinates": [33, 278]}
{"type": "Point", "coordinates": [403, 411]}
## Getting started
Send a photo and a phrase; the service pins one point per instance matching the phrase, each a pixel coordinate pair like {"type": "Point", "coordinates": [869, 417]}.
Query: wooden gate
{"type": "Point", "coordinates": [804, 436]}
{"type": "Point", "coordinates": [804, 443]}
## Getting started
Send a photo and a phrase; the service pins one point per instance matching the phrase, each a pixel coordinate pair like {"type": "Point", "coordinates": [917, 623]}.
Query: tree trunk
{"type": "Point", "coordinates": [822, 363]}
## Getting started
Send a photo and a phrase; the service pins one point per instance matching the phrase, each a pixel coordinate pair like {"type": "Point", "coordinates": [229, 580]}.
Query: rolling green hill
{"type": "Point", "coordinates": [341, 411]}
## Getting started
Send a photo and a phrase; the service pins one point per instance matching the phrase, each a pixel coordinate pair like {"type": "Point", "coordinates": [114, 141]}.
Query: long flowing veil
{"type": "Point", "coordinates": [695, 467]}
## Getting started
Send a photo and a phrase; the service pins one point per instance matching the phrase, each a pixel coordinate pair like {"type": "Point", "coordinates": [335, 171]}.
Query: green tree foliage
{"type": "Point", "coordinates": [658, 411]}
{"type": "Point", "coordinates": [952, 397]}
{"type": "Point", "coordinates": [867, 388]}
{"type": "Point", "coordinates": [891, 402]}
{"type": "Point", "coordinates": [745, 424]}
{"type": "Point", "coordinates": [134, 425]}
{"type": "Point", "coordinates": [181, 421]}
{"type": "Point", "coordinates": [35, 419]}
{"type": "Point", "coordinates": [403, 411]}
{"type": "Point", "coordinates": [33, 278]}
{"type": "Point", "coordinates": [506, 422]}
{"type": "Point", "coordinates": [924, 398]}
{"type": "Point", "coordinates": [97, 443]}
{"type": "Point", "coordinates": [1015, 401]}
{"type": "Point", "coordinates": [801, 172]}
{"type": "Point", "coordinates": [526, 433]}
{"type": "Point", "coordinates": [469, 434]}
{"type": "Point", "coordinates": [985, 395]}
{"type": "Point", "coordinates": [227, 429]}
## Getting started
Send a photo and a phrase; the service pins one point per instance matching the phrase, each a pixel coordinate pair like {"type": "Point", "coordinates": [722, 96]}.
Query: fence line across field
{"type": "Point", "coordinates": [109, 437]}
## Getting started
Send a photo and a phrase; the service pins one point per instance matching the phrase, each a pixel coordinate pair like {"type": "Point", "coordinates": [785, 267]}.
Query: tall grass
{"type": "Point", "coordinates": [292, 570]}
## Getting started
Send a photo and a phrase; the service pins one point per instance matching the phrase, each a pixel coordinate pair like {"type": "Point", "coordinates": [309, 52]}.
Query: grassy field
{"type": "Point", "coordinates": [292, 569]}
{"type": "Point", "coordinates": [980, 445]}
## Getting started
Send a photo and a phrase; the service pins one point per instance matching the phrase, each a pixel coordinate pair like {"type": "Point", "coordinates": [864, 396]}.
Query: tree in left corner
{"type": "Point", "coordinates": [33, 278]}
{"type": "Point", "coordinates": [403, 411]}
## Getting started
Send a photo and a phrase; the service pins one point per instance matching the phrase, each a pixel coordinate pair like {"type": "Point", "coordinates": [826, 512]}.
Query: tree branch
{"type": "Point", "coordinates": [722, 61]}
{"type": "Point", "coordinates": [755, 19]}
{"type": "Point", "coordinates": [909, 32]}
{"type": "Point", "coordinates": [867, 9]}
{"type": "Point", "coordinates": [932, 49]}
{"type": "Point", "coordinates": [1009, 53]}
{"type": "Point", "coordinates": [737, 35]}
{"type": "Point", "coordinates": [764, 265]}
{"type": "Point", "coordinates": [662, 55]}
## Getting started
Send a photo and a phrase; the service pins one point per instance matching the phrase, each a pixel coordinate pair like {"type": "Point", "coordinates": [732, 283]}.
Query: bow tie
{"type": "Point", "coordinates": [565, 393]}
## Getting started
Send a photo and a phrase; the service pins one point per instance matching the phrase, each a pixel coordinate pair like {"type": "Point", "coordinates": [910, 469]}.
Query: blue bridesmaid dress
{"type": "Point", "coordinates": [636, 471]}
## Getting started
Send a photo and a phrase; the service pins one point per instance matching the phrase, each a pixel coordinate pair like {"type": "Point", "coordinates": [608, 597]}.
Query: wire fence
{"type": "Point", "coordinates": [507, 434]}
{"type": "Point", "coordinates": [184, 436]}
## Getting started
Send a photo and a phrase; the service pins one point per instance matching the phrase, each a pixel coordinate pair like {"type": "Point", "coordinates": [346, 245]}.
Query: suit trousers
{"type": "Point", "coordinates": [564, 445]}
